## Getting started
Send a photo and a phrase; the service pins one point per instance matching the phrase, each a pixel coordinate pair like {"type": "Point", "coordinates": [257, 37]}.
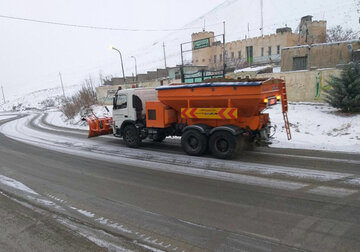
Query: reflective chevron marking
{"type": "Point", "coordinates": [209, 113]}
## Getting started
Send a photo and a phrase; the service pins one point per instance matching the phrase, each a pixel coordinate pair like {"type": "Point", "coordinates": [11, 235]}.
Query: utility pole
{"type": "Point", "coordinates": [121, 60]}
{"type": "Point", "coordinates": [2, 89]}
{"type": "Point", "coordinates": [248, 30]}
{"type": "Point", "coordinates": [62, 85]}
{"type": "Point", "coordinates": [164, 55]}
{"type": "Point", "coordinates": [224, 50]}
{"type": "Point", "coordinates": [262, 18]}
{"type": "Point", "coordinates": [224, 29]}
{"type": "Point", "coordinates": [136, 73]}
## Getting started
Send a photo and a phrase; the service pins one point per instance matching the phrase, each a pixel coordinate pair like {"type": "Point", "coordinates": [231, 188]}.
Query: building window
{"type": "Point", "coordinates": [196, 61]}
{"type": "Point", "coordinates": [269, 50]}
{"type": "Point", "coordinates": [220, 57]}
{"type": "Point", "coordinates": [262, 51]}
{"type": "Point", "coordinates": [239, 54]}
{"type": "Point", "coordinates": [278, 49]}
{"type": "Point", "coordinates": [249, 54]}
{"type": "Point", "coordinates": [299, 63]}
{"type": "Point", "coordinates": [232, 55]}
{"type": "Point", "coordinates": [203, 60]}
{"type": "Point", "coordinates": [214, 58]}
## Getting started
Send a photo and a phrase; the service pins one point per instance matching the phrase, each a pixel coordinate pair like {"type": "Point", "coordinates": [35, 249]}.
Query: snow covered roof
{"type": "Point", "coordinates": [252, 69]}
{"type": "Point", "coordinates": [323, 44]}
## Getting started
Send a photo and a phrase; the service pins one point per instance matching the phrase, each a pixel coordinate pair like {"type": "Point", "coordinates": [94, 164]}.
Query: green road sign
{"type": "Point", "coordinates": [201, 43]}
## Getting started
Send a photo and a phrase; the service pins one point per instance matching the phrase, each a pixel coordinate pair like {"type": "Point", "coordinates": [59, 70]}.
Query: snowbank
{"type": "Point", "coordinates": [57, 118]}
{"type": "Point", "coordinates": [316, 126]}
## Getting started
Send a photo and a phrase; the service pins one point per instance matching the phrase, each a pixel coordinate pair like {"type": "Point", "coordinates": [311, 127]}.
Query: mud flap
{"type": "Point", "coordinates": [263, 138]}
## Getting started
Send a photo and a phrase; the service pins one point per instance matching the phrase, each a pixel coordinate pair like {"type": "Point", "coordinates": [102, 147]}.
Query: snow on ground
{"type": "Point", "coordinates": [57, 118]}
{"type": "Point", "coordinates": [15, 184]}
{"type": "Point", "coordinates": [316, 126]}
{"type": "Point", "coordinates": [277, 69]}
{"type": "Point", "coordinates": [4, 117]}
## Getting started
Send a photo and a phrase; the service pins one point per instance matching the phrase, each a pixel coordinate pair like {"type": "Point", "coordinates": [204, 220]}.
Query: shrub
{"type": "Point", "coordinates": [84, 98]}
{"type": "Point", "coordinates": [49, 102]}
{"type": "Point", "coordinates": [345, 90]}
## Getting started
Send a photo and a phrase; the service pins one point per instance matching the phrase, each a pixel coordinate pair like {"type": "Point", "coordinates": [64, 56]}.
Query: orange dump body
{"type": "Point", "coordinates": [222, 103]}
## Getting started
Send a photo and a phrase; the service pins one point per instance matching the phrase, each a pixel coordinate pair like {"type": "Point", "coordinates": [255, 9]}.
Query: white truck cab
{"type": "Point", "coordinates": [129, 106]}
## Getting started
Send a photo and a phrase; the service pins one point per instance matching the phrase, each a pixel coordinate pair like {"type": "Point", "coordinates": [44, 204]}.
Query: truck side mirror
{"type": "Point", "coordinates": [114, 102]}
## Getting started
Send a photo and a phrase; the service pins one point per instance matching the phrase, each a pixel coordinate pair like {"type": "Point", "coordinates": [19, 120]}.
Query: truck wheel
{"type": "Point", "coordinates": [223, 144]}
{"type": "Point", "coordinates": [193, 142]}
{"type": "Point", "coordinates": [131, 136]}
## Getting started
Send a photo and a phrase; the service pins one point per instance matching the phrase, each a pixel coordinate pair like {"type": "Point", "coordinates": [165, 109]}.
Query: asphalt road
{"type": "Point", "coordinates": [175, 211]}
{"type": "Point", "coordinates": [25, 230]}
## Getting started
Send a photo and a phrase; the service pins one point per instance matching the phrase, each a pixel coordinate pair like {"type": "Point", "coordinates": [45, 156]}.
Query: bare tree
{"type": "Point", "coordinates": [337, 33]}
{"type": "Point", "coordinates": [84, 98]}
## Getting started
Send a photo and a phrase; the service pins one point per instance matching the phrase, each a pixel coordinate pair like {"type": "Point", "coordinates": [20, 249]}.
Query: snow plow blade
{"type": "Point", "coordinates": [99, 126]}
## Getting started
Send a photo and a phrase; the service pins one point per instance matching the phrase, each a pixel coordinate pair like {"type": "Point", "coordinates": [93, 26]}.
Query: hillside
{"type": "Point", "coordinates": [39, 100]}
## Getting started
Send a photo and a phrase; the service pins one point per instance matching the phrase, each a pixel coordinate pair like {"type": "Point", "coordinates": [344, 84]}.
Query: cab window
{"type": "Point", "coordinates": [120, 102]}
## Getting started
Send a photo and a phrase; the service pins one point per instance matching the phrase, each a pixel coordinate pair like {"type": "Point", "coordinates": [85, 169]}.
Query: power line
{"type": "Point", "coordinates": [97, 27]}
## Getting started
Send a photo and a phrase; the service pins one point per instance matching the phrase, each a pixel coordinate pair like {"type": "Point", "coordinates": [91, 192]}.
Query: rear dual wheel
{"type": "Point", "coordinates": [223, 144]}
{"type": "Point", "coordinates": [193, 142]}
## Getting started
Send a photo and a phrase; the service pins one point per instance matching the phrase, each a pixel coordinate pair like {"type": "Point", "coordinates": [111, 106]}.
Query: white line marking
{"type": "Point", "coordinates": [332, 191]}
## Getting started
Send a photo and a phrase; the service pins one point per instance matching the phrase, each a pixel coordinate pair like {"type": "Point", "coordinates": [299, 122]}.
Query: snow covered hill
{"type": "Point", "coordinates": [39, 100]}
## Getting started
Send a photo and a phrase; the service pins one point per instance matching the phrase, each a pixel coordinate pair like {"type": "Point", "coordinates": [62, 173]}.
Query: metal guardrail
{"type": "Point", "coordinates": [202, 75]}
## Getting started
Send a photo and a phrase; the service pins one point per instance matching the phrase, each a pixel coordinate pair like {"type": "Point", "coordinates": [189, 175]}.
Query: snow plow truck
{"type": "Point", "coordinates": [218, 116]}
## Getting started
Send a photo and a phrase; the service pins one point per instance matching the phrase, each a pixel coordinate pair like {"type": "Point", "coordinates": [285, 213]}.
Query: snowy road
{"type": "Point", "coordinates": [157, 197]}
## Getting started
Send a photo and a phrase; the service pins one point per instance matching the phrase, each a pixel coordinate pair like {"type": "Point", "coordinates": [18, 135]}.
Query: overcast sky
{"type": "Point", "coordinates": [32, 54]}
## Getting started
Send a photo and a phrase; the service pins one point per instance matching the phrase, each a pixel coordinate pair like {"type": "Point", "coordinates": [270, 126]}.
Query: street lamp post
{"type": "Point", "coordinates": [135, 67]}
{"type": "Point", "coordinates": [122, 65]}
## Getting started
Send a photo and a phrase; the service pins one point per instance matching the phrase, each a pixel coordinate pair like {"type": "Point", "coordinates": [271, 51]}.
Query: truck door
{"type": "Point", "coordinates": [120, 109]}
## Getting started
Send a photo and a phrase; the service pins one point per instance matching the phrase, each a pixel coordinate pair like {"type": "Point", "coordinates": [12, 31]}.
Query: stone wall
{"type": "Point", "coordinates": [326, 55]}
{"type": "Point", "coordinates": [236, 50]}
{"type": "Point", "coordinates": [305, 86]}
{"type": "Point", "coordinates": [311, 32]}
{"type": "Point", "coordinates": [302, 86]}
